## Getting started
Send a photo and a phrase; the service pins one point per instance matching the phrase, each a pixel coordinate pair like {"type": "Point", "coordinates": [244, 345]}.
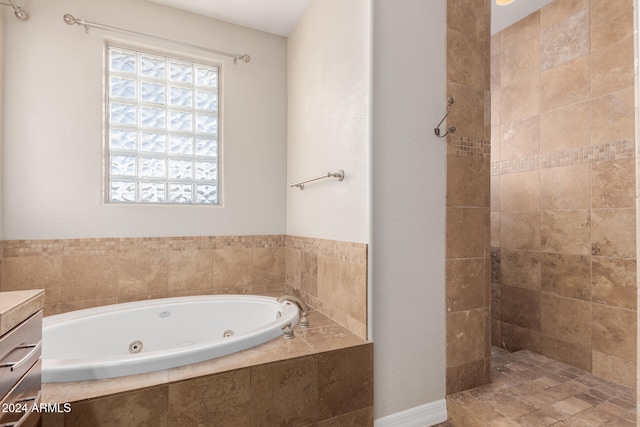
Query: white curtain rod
{"type": "Point", "coordinates": [69, 19]}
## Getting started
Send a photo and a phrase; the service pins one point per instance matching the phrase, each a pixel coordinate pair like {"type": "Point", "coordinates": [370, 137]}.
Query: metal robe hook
{"type": "Point", "coordinates": [450, 129]}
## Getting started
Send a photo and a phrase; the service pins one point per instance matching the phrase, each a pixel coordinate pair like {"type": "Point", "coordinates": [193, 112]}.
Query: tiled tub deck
{"type": "Point", "coordinates": [531, 390]}
{"type": "Point", "coordinates": [323, 377]}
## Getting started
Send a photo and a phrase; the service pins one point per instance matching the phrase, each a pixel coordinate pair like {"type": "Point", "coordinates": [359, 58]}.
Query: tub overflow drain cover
{"type": "Point", "coordinates": [135, 347]}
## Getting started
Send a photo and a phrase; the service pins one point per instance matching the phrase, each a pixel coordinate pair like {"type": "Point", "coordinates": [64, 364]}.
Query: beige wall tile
{"type": "Point", "coordinates": [614, 282]}
{"type": "Point", "coordinates": [146, 407]}
{"type": "Point", "coordinates": [612, 67]}
{"type": "Point", "coordinates": [565, 127]}
{"type": "Point", "coordinates": [565, 40]}
{"type": "Point", "coordinates": [468, 181]}
{"type": "Point", "coordinates": [565, 231]}
{"type": "Point", "coordinates": [495, 229]}
{"type": "Point", "coordinates": [89, 277]}
{"type": "Point", "coordinates": [232, 267]}
{"type": "Point", "coordinates": [613, 233]}
{"type": "Point", "coordinates": [520, 307]}
{"type": "Point", "coordinates": [268, 265]}
{"type": "Point", "coordinates": [566, 352]}
{"type": "Point", "coordinates": [141, 273]}
{"type": "Point", "coordinates": [522, 269]}
{"type": "Point", "coordinates": [462, 67]}
{"type": "Point", "coordinates": [467, 376]}
{"type": "Point", "coordinates": [467, 113]}
{"type": "Point", "coordinates": [33, 272]}
{"type": "Point", "coordinates": [520, 61]}
{"type": "Point", "coordinates": [495, 114]}
{"type": "Point", "coordinates": [559, 10]}
{"type": "Point", "coordinates": [465, 232]}
{"type": "Point", "coordinates": [345, 381]}
{"type": "Point", "coordinates": [566, 319]}
{"type": "Point", "coordinates": [565, 187]}
{"type": "Point", "coordinates": [495, 193]}
{"type": "Point", "coordinates": [611, 20]}
{"type": "Point", "coordinates": [221, 399]}
{"type": "Point", "coordinates": [494, 78]}
{"type": "Point", "coordinates": [613, 117]}
{"type": "Point", "coordinates": [520, 139]}
{"type": "Point", "coordinates": [614, 369]}
{"type": "Point", "coordinates": [309, 273]}
{"type": "Point", "coordinates": [520, 230]}
{"type": "Point", "coordinates": [466, 16]}
{"type": "Point", "coordinates": [465, 284]}
{"type": "Point", "coordinates": [294, 401]}
{"type": "Point", "coordinates": [515, 338]}
{"type": "Point", "coordinates": [614, 331]}
{"type": "Point", "coordinates": [518, 33]}
{"type": "Point", "coordinates": [519, 100]}
{"type": "Point", "coordinates": [342, 288]}
{"type": "Point", "coordinates": [467, 333]}
{"type": "Point", "coordinates": [293, 267]}
{"type": "Point", "coordinates": [567, 275]}
{"type": "Point", "coordinates": [613, 184]}
{"type": "Point", "coordinates": [191, 270]}
{"type": "Point", "coordinates": [520, 191]}
{"type": "Point", "coordinates": [565, 84]}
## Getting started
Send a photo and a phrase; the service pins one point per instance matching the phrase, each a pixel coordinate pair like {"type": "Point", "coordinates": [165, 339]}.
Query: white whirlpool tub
{"type": "Point", "coordinates": [133, 338]}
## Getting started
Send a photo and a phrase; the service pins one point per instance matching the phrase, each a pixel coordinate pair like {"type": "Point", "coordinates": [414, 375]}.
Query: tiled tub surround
{"type": "Point", "coordinates": [323, 377]}
{"type": "Point", "coordinates": [330, 276]}
{"type": "Point", "coordinates": [83, 273]}
{"type": "Point", "coordinates": [467, 196]}
{"type": "Point", "coordinates": [563, 208]}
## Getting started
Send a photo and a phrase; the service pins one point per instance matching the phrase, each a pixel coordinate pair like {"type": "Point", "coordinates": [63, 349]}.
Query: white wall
{"type": "Point", "coordinates": [328, 121]}
{"type": "Point", "coordinates": [408, 209]}
{"type": "Point", "coordinates": [53, 177]}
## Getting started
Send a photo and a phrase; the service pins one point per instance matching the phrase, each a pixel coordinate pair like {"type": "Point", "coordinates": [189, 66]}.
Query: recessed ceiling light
{"type": "Point", "coordinates": [503, 2]}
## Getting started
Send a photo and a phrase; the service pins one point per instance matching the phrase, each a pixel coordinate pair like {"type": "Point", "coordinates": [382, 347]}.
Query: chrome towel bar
{"type": "Point", "coordinates": [339, 175]}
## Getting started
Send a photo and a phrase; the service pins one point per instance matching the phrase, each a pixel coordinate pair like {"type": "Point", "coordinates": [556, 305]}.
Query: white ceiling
{"type": "Point", "coordinates": [280, 16]}
{"type": "Point", "coordinates": [273, 16]}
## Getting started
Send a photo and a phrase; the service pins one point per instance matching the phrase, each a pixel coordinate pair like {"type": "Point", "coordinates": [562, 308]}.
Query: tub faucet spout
{"type": "Point", "coordinates": [304, 322]}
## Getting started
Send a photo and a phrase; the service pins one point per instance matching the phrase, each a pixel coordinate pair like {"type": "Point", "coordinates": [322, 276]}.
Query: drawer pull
{"type": "Point", "coordinates": [24, 417]}
{"type": "Point", "coordinates": [16, 365]}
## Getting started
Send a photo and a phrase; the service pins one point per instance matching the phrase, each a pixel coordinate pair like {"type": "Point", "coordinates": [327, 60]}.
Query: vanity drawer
{"type": "Point", "coordinates": [16, 405]}
{"type": "Point", "coordinates": [19, 350]}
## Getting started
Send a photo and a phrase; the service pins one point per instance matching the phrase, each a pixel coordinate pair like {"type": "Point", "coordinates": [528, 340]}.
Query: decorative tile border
{"type": "Point", "coordinates": [19, 248]}
{"type": "Point", "coordinates": [470, 147]}
{"type": "Point", "coordinates": [624, 149]}
{"type": "Point", "coordinates": [355, 252]}
{"type": "Point", "coordinates": [348, 251]}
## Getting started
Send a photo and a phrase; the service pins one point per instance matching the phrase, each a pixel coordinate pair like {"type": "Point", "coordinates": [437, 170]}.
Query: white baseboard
{"type": "Point", "coordinates": [425, 415]}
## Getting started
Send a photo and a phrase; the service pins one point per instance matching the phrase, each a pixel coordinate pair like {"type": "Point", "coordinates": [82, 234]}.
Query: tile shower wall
{"type": "Point", "coordinates": [81, 273]}
{"type": "Point", "coordinates": [563, 215]}
{"type": "Point", "coordinates": [467, 224]}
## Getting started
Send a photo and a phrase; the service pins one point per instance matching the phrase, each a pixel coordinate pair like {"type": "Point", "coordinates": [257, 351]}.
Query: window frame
{"type": "Point", "coordinates": [168, 56]}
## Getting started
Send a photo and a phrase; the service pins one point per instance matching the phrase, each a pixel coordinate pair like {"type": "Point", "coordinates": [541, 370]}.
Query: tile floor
{"type": "Point", "coordinates": [531, 390]}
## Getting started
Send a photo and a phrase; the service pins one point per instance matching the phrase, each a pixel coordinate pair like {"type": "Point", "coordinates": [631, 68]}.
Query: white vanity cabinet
{"type": "Point", "coordinates": [20, 362]}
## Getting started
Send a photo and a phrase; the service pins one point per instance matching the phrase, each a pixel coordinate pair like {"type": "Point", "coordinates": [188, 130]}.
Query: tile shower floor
{"type": "Point", "coordinates": [531, 390]}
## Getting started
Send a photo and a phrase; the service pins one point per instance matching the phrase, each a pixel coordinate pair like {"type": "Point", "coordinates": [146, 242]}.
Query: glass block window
{"type": "Point", "coordinates": [162, 129]}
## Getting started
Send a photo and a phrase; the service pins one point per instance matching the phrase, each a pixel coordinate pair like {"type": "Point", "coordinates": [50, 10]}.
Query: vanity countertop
{"type": "Point", "coordinates": [17, 306]}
